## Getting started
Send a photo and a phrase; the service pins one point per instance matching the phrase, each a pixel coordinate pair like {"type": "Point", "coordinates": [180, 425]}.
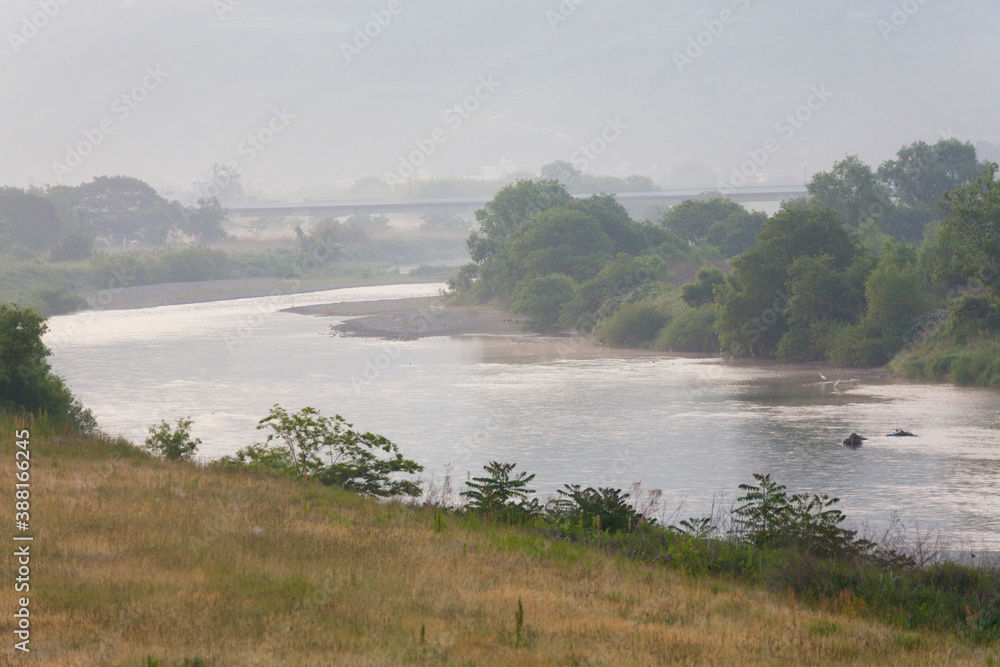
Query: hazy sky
{"type": "Point", "coordinates": [681, 91]}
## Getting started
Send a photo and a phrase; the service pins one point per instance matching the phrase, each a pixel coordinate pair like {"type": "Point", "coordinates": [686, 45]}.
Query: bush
{"type": "Point", "coordinates": [602, 509]}
{"type": "Point", "coordinates": [852, 345]}
{"type": "Point", "coordinates": [21, 252]}
{"type": "Point", "coordinates": [634, 325]}
{"type": "Point", "coordinates": [73, 246]}
{"type": "Point", "coordinates": [59, 300]}
{"type": "Point", "coordinates": [329, 450]}
{"type": "Point", "coordinates": [702, 290]}
{"type": "Point", "coordinates": [500, 495]}
{"type": "Point", "coordinates": [173, 445]}
{"type": "Point", "coordinates": [27, 383]}
{"type": "Point", "coordinates": [769, 517]}
{"type": "Point", "coordinates": [541, 298]}
{"type": "Point", "coordinates": [691, 330]}
{"type": "Point", "coordinates": [972, 316]}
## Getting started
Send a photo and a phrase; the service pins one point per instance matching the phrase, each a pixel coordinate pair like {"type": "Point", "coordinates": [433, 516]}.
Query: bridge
{"type": "Point", "coordinates": [635, 202]}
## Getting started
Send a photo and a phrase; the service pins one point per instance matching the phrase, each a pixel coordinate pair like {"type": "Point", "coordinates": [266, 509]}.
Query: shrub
{"type": "Point", "coordinates": [769, 517]}
{"type": "Point", "coordinates": [59, 300]}
{"type": "Point", "coordinates": [702, 291]}
{"type": "Point", "coordinates": [603, 509]}
{"type": "Point", "coordinates": [691, 330]}
{"type": "Point", "coordinates": [500, 495]}
{"type": "Point", "coordinates": [27, 383]}
{"type": "Point", "coordinates": [172, 444]}
{"type": "Point", "coordinates": [328, 449]}
{"type": "Point", "coordinates": [852, 345]}
{"type": "Point", "coordinates": [73, 246]}
{"type": "Point", "coordinates": [541, 298]}
{"type": "Point", "coordinates": [21, 252]}
{"type": "Point", "coordinates": [634, 325]}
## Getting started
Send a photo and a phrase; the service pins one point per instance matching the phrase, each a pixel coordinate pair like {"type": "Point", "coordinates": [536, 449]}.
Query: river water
{"type": "Point", "coordinates": [694, 428]}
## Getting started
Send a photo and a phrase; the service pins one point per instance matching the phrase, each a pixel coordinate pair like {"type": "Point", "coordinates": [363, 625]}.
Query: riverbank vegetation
{"type": "Point", "coordinates": [62, 244]}
{"type": "Point", "coordinates": [899, 262]}
{"type": "Point", "coordinates": [163, 561]}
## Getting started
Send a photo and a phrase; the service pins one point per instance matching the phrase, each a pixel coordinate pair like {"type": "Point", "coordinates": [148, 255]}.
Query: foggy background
{"type": "Point", "coordinates": [898, 72]}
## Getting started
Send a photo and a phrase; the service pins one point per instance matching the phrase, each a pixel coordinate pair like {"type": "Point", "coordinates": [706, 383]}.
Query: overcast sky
{"type": "Point", "coordinates": [681, 91]}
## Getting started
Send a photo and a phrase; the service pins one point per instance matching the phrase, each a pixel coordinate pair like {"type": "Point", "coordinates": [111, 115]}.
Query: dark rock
{"type": "Point", "coordinates": [900, 433]}
{"type": "Point", "coordinates": [854, 440]}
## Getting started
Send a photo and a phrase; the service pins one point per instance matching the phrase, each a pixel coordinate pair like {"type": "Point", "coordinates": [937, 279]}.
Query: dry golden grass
{"type": "Point", "coordinates": [137, 557]}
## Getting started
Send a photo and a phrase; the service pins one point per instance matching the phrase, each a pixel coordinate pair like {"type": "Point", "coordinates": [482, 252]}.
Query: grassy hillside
{"type": "Point", "coordinates": [137, 558]}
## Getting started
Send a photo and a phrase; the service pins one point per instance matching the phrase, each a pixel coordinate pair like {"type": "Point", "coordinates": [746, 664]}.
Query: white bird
{"type": "Point", "coordinates": [836, 383]}
{"type": "Point", "coordinates": [822, 376]}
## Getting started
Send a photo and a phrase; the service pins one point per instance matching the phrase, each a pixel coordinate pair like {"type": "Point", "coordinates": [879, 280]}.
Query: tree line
{"type": "Point", "coordinates": [65, 221]}
{"type": "Point", "coordinates": [872, 262]}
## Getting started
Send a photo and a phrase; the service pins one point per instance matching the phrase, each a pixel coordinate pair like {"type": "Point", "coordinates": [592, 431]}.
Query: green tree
{"type": "Point", "coordinates": [561, 240]}
{"type": "Point", "coordinates": [541, 298]}
{"type": "Point", "coordinates": [634, 325]}
{"type": "Point", "coordinates": [328, 449]}
{"type": "Point", "coordinates": [31, 220]}
{"type": "Point", "coordinates": [896, 295]}
{"type": "Point", "coordinates": [821, 296]}
{"type": "Point", "coordinates": [123, 209]}
{"type": "Point", "coordinates": [205, 221]}
{"type": "Point", "coordinates": [27, 382]}
{"type": "Point", "coordinates": [973, 228]}
{"type": "Point", "coordinates": [73, 246]}
{"type": "Point", "coordinates": [753, 301]}
{"type": "Point", "coordinates": [851, 189]}
{"type": "Point", "coordinates": [624, 278]}
{"type": "Point", "coordinates": [736, 233]}
{"type": "Point", "coordinates": [895, 292]}
{"type": "Point", "coordinates": [690, 330]}
{"type": "Point", "coordinates": [692, 219]}
{"type": "Point", "coordinates": [512, 206]}
{"type": "Point", "coordinates": [172, 444]}
{"type": "Point", "coordinates": [921, 173]}
{"type": "Point", "coordinates": [562, 171]}
{"type": "Point", "coordinates": [702, 290]}
{"type": "Point", "coordinates": [626, 235]}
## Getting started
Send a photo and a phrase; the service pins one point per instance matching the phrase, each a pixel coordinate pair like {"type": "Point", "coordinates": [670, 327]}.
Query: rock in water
{"type": "Point", "coordinates": [900, 433]}
{"type": "Point", "coordinates": [854, 440]}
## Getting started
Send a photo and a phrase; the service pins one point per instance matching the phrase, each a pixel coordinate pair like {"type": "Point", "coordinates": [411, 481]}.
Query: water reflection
{"type": "Point", "coordinates": [570, 413]}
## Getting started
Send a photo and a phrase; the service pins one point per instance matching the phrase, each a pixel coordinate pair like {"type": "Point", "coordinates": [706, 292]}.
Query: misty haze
{"type": "Point", "coordinates": [524, 332]}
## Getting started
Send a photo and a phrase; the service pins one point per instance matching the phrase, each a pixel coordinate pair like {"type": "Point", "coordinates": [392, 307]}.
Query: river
{"type": "Point", "coordinates": [694, 428]}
